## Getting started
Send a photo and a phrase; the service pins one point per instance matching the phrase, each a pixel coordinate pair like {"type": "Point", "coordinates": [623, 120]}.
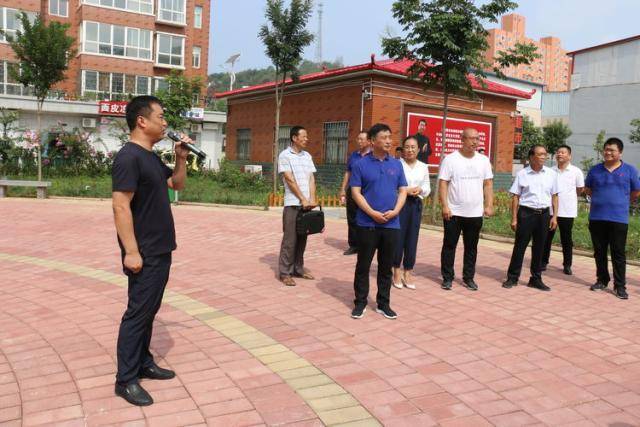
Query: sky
{"type": "Point", "coordinates": [352, 29]}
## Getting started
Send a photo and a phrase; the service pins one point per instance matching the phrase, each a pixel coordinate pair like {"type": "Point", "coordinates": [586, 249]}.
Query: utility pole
{"type": "Point", "coordinates": [319, 35]}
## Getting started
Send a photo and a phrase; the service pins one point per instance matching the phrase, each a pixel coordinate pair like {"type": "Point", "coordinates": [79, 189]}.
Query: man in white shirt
{"type": "Point", "coordinates": [297, 169]}
{"type": "Point", "coordinates": [466, 194]}
{"type": "Point", "coordinates": [570, 186]}
{"type": "Point", "coordinates": [534, 191]}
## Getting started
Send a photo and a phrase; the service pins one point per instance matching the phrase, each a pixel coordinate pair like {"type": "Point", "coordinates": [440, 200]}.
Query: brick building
{"type": "Point", "coordinates": [552, 69]}
{"type": "Point", "coordinates": [123, 46]}
{"type": "Point", "coordinates": [335, 104]}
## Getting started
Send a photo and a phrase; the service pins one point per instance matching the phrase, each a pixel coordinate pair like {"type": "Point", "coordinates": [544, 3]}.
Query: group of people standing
{"type": "Point", "coordinates": [384, 197]}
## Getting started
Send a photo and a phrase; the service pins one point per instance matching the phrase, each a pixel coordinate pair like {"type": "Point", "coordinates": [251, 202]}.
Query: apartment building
{"type": "Point", "coordinates": [552, 69]}
{"type": "Point", "coordinates": [123, 46]}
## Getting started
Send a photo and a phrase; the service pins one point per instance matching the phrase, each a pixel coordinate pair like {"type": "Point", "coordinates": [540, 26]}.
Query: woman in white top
{"type": "Point", "coordinates": [417, 175]}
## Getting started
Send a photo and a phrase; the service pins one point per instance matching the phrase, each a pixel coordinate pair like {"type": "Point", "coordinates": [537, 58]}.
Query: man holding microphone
{"type": "Point", "coordinates": [146, 236]}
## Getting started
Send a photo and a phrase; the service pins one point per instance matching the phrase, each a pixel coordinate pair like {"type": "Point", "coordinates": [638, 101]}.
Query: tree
{"type": "Point", "coordinates": [446, 40]}
{"type": "Point", "coordinates": [555, 134]}
{"type": "Point", "coordinates": [285, 37]}
{"type": "Point", "coordinates": [531, 135]}
{"type": "Point", "coordinates": [634, 136]}
{"type": "Point", "coordinates": [43, 52]}
{"type": "Point", "coordinates": [588, 162]}
{"type": "Point", "coordinates": [177, 98]}
{"type": "Point", "coordinates": [8, 119]}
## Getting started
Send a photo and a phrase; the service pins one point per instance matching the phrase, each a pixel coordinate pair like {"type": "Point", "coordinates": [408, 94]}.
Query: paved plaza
{"type": "Point", "coordinates": [249, 351]}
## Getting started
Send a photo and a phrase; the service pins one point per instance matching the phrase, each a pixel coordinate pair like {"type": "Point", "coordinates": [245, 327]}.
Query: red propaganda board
{"type": "Point", "coordinates": [112, 108]}
{"type": "Point", "coordinates": [454, 134]}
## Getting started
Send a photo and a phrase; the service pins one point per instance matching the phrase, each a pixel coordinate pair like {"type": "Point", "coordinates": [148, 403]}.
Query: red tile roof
{"type": "Point", "coordinates": [389, 66]}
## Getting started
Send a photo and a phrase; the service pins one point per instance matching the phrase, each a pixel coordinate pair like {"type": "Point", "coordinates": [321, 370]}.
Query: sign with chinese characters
{"type": "Point", "coordinates": [112, 108]}
{"type": "Point", "coordinates": [431, 127]}
{"type": "Point", "coordinates": [196, 114]}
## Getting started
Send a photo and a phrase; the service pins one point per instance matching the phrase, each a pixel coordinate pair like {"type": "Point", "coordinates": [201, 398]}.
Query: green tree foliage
{"type": "Point", "coordinates": [177, 98]}
{"type": "Point", "coordinates": [285, 36]}
{"type": "Point", "coordinates": [531, 135]}
{"type": "Point", "coordinates": [634, 136]}
{"type": "Point", "coordinates": [555, 134]}
{"type": "Point", "coordinates": [43, 51]}
{"type": "Point", "coordinates": [588, 162]}
{"type": "Point", "coordinates": [252, 77]}
{"type": "Point", "coordinates": [446, 40]}
{"type": "Point", "coordinates": [8, 120]}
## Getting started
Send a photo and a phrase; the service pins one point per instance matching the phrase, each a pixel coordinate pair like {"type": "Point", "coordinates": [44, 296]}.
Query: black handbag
{"type": "Point", "coordinates": [309, 222]}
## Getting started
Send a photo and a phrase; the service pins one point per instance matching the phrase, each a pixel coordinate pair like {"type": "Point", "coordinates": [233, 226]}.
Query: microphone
{"type": "Point", "coordinates": [195, 150]}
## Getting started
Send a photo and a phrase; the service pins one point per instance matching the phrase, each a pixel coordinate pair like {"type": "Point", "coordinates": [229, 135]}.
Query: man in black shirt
{"type": "Point", "coordinates": [146, 236]}
{"type": "Point", "coordinates": [424, 145]}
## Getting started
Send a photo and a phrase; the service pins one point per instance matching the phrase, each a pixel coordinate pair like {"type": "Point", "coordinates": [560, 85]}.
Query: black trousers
{"type": "Point", "coordinates": [410, 218]}
{"type": "Point", "coordinates": [370, 240]}
{"type": "Point", "coordinates": [352, 209]}
{"type": "Point", "coordinates": [566, 226]}
{"type": "Point", "coordinates": [145, 292]}
{"type": "Point", "coordinates": [470, 229]}
{"type": "Point", "coordinates": [532, 225]}
{"type": "Point", "coordinates": [613, 235]}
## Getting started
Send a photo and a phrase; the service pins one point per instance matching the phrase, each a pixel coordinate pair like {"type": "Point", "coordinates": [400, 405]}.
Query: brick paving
{"type": "Point", "coordinates": [249, 351]}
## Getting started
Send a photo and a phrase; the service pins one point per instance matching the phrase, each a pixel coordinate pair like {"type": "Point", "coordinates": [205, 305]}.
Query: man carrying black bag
{"type": "Point", "coordinates": [297, 169]}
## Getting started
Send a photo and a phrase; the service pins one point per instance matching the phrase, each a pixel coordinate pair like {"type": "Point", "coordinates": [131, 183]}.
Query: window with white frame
{"type": "Point", "coordinates": [197, 16]}
{"type": "Point", "coordinates": [243, 144]}
{"type": "Point", "coordinates": [59, 7]}
{"type": "Point", "coordinates": [10, 21]}
{"type": "Point", "coordinates": [160, 84]}
{"type": "Point", "coordinates": [336, 142]}
{"type": "Point", "coordinates": [107, 39]}
{"type": "Point", "coordinates": [113, 86]}
{"type": "Point", "coordinates": [195, 63]}
{"type": "Point", "coordinates": [172, 11]}
{"type": "Point", "coordinates": [284, 138]}
{"type": "Point", "coordinates": [136, 6]}
{"type": "Point", "coordinates": [170, 50]}
{"type": "Point", "coordinates": [8, 85]}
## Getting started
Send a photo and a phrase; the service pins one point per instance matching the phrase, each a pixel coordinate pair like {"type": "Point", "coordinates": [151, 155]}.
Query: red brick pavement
{"type": "Point", "coordinates": [493, 357]}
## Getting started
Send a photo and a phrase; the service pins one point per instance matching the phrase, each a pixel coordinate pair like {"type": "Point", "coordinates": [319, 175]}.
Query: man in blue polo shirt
{"type": "Point", "coordinates": [379, 189]}
{"type": "Point", "coordinates": [611, 184]}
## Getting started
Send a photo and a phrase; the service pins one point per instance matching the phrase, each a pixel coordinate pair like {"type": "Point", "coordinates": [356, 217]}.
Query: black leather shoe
{"type": "Point", "coordinates": [470, 284]}
{"type": "Point", "coordinates": [350, 251]}
{"type": "Point", "coordinates": [509, 283]}
{"type": "Point", "coordinates": [155, 372]}
{"type": "Point", "coordinates": [538, 284]}
{"type": "Point", "coordinates": [446, 285]}
{"type": "Point", "coordinates": [567, 270]}
{"type": "Point", "coordinates": [134, 394]}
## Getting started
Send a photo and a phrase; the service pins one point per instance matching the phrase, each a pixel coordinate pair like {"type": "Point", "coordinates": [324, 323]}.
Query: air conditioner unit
{"type": "Point", "coordinates": [195, 128]}
{"type": "Point", "coordinates": [257, 169]}
{"type": "Point", "coordinates": [88, 122]}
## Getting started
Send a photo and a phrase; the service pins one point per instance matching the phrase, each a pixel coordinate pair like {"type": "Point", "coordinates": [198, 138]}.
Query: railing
{"type": "Point", "coordinates": [277, 199]}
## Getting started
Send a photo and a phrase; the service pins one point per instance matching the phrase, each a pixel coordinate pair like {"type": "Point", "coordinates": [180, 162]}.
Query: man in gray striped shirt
{"type": "Point", "coordinates": [297, 169]}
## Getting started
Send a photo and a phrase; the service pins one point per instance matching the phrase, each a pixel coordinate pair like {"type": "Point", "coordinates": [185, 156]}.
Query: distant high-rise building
{"type": "Point", "coordinates": [552, 69]}
{"type": "Point", "coordinates": [124, 47]}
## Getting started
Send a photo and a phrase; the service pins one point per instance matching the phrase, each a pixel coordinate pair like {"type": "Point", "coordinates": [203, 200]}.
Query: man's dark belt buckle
{"type": "Point", "coordinates": [538, 211]}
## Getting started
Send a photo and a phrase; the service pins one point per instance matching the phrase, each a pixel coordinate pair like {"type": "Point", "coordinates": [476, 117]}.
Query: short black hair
{"type": "Point", "coordinates": [140, 106]}
{"type": "Point", "coordinates": [614, 141]}
{"type": "Point", "coordinates": [363, 131]}
{"type": "Point", "coordinates": [295, 131]}
{"type": "Point", "coordinates": [376, 129]}
{"type": "Point", "coordinates": [422, 121]}
{"type": "Point", "coordinates": [564, 146]}
{"type": "Point", "coordinates": [408, 138]}
{"type": "Point", "coordinates": [398, 149]}
{"type": "Point", "coordinates": [532, 150]}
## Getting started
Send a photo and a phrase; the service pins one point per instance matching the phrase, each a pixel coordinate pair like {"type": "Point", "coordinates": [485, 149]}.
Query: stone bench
{"type": "Point", "coordinates": [41, 186]}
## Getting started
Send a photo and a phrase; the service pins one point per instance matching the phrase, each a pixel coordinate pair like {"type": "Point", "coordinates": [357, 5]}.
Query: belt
{"type": "Point", "coordinates": [538, 211]}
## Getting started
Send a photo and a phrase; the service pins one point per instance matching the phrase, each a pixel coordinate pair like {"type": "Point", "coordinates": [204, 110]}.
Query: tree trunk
{"type": "Point", "coordinates": [275, 137]}
{"type": "Point", "coordinates": [39, 115]}
{"type": "Point", "coordinates": [445, 111]}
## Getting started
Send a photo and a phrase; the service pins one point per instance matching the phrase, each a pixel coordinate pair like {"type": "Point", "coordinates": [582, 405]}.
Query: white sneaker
{"type": "Point", "coordinates": [410, 286]}
{"type": "Point", "coordinates": [397, 285]}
